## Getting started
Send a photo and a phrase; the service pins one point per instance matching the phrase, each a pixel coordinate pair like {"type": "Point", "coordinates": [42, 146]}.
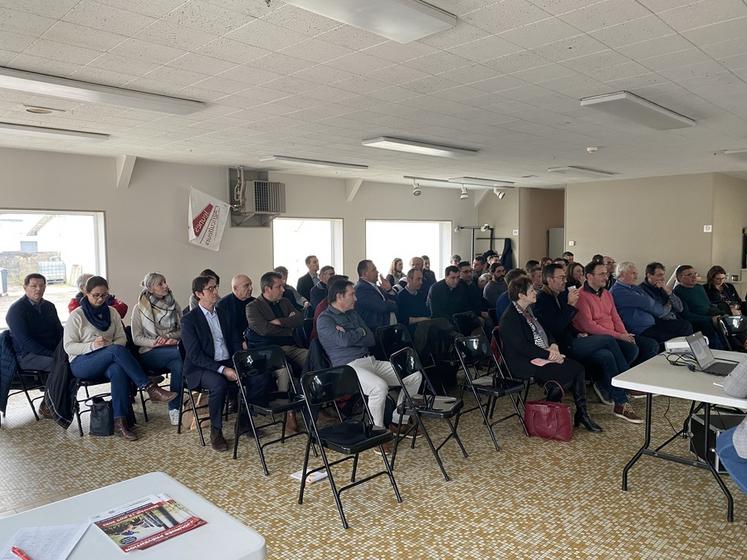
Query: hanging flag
{"type": "Point", "coordinates": [207, 219]}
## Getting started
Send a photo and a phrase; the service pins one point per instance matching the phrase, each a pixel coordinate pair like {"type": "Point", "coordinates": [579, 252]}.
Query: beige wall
{"type": "Point", "coordinates": [642, 220]}
{"type": "Point", "coordinates": [539, 210]}
{"type": "Point", "coordinates": [729, 217]}
{"type": "Point", "coordinates": [146, 223]}
{"type": "Point", "coordinates": [503, 215]}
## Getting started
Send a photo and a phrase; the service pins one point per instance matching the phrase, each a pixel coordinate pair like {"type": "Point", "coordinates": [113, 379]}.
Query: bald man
{"type": "Point", "coordinates": [234, 306]}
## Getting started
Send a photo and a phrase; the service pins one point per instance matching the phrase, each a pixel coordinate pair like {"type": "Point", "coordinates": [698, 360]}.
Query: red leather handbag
{"type": "Point", "coordinates": [549, 420]}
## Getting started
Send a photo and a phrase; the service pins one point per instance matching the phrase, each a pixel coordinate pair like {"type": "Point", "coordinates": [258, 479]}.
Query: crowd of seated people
{"type": "Point", "coordinates": [557, 320]}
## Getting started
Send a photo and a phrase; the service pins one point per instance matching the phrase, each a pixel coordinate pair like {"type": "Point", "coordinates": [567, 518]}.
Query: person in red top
{"type": "Point", "coordinates": [112, 301]}
{"type": "Point", "coordinates": [597, 314]}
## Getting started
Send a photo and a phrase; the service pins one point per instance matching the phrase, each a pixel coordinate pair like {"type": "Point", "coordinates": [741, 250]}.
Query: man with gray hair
{"type": "Point", "coordinates": [641, 314]}
{"type": "Point", "coordinates": [234, 306]}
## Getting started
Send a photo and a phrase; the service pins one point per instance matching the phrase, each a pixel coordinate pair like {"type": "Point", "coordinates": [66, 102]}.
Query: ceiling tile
{"type": "Point", "coordinates": [107, 18]}
{"type": "Point", "coordinates": [323, 74]}
{"type": "Point", "coordinates": [705, 69]}
{"type": "Point", "coordinates": [359, 63]}
{"type": "Point", "coordinates": [351, 37]}
{"type": "Point", "coordinates": [541, 74]}
{"type": "Point", "coordinates": [72, 34]}
{"type": "Point", "coordinates": [231, 51]}
{"type": "Point", "coordinates": [397, 74]}
{"type": "Point", "coordinates": [300, 21]}
{"type": "Point", "coordinates": [23, 22]}
{"type": "Point", "coordinates": [15, 42]}
{"type": "Point", "coordinates": [605, 14]}
{"type": "Point", "coordinates": [540, 33]}
{"type": "Point", "coordinates": [458, 35]}
{"type": "Point", "coordinates": [315, 50]}
{"type": "Point", "coordinates": [514, 62]}
{"type": "Point", "coordinates": [209, 18]}
{"type": "Point", "coordinates": [675, 59]}
{"type": "Point", "coordinates": [59, 51]}
{"type": "Point", "coordinates": [45, 8]}
{"type": "Point", "coordinates": [152, 8]}
{"type": "Point", "coordinates": [469, 74]}
{"type": "Point", "coordinates": [726, 48]}
{"type": "Point", "coordinates": [395, 52]}
{"type": "Point", "coordinates": [573, 47]}
{"type": "Point", "coordinates": [430, 84]}
{"type": "Point", "coordinates": [360, 84]}
{"type": "Point", "coordinates": [438, 62]}
{"type": "Point", "coordinates": [43, 65]}
{"type": "Point", "coordinates": [163, 33]}
{"type": "Point", "coordinates": [136, 49]}
{"type": "Point", "coordinates": [260, 33]}
{"type": "Point", "coordinates": [701, 14]}
{"type": "Point", "coordinates": [392, 93]}
{"type": "Point", "coordinates": [107, 61]}
{"type": "Point", "coordinates": [279, 63]}
{"type": "Point", "coordinates": [623, 71]}
{"type": "Point", "coordinates": [289, 84]}
{"type": "Point", "coordinates": [249, 75]}
{"type": "Point", "coordinates": [661, 5]}
{"type": "Point", "coordinates": [556, 7]}
{"type": "Point", "coordinates": [174, 76]}
{"type": "Point", "coordinates": [485, 49]}
{"type": "Point", "coordinates": [201, 64]}
{"type": "Point", "coordinates": [634, 31]}
{"type": "Point", "coordinates": [660, 46]}
{"type": "Point", "coordinates": [103, 76]}
{"type": "Point", "coordinates": [709, 34]}
{"type": "Point", "coordinates": [499, 83]}
{"type": "Point", "coordinates": [503, 16]}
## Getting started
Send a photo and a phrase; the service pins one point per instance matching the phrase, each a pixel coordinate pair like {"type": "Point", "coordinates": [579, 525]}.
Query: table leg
{"type": "Point", "coordinates": [714, 472]}
{"type": "Point", "coordinates": [646, 442]}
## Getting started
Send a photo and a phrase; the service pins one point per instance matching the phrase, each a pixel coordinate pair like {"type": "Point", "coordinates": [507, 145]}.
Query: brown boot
{"type": "Point", "coordinates": [217, 441]}
{"type": "Point", "coordinates": [44, 410]}
{"type": "Point", "coordinates": [291, 425]}
{"type": "Point", "coordinates": [157, 394]}
{"type": "Point", "coordinates": [121, 429]}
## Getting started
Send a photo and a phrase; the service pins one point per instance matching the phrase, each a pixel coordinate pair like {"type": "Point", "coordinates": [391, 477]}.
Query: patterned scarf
{"type": "Point", "coordinates": [159, 316]}
{"type": "Point", "coordinates": [538, 333]}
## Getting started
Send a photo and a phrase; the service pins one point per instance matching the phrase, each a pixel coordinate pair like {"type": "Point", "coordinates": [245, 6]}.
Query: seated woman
{"type": "Point", "coordinates": [112, 301]}
{"type": "Point", "coordinates": [94, 340]}
{"type": "Point", "coordinates": [721, 293]}
{"type": "Point", "coordinates": [575, 275]}
{"type": "Point", "coordinates": [531, 352]}
{"type": "Point", "coordinates": [156, 323]}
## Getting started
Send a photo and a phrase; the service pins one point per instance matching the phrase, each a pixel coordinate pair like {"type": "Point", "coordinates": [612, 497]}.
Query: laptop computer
{"type": "Point", "coordinates": [703, 355]}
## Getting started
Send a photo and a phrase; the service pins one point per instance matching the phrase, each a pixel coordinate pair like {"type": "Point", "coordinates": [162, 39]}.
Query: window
{"type": "Point", "coordinates": [390, 239]}
{"type": "Point", "coordinates": [293, 239]}
{"type": "Point", "coordinates": [59, 245]}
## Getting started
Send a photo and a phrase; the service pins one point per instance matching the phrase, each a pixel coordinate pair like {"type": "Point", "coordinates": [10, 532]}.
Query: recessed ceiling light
{"type": "Point", "coordinates": [399, 20]}
{"type": "Point", "coordinates": [634, 108]}
{"type": "Point", "coordinates": [54, 86]}
{"type": "Point", "coordinates": [582, 171]}
{"type": "Point", "coordinates": [315, 162]}
{"type": "Point", "coordinates": [480, 182]}
{"type": "Point", "coordinates": [417, 147]}
{"type": "Point", "coordinates": [43, 131]}
{"type": "Point", "coordinates": [36, 110]}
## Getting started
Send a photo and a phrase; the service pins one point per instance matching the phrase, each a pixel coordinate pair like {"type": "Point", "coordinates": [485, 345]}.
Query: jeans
{"type": "Point", "coordinates": [735, 465]}
{"type": "Point", "coordinates": [613, 356]}
{"type": "Point", "coordinates": [118, 365]}
{"type": "Point", "coordinates": [167, 357]}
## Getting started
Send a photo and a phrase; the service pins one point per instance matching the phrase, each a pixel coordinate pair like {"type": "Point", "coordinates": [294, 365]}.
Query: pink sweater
{"type": "Point", "coordinates": [598, 315]}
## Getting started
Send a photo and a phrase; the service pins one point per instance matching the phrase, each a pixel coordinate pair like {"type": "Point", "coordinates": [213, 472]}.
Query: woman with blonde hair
{"type": "Point", "coordinates": [395, 272]}
{"type": "Point", "coordinates": [156, 329]}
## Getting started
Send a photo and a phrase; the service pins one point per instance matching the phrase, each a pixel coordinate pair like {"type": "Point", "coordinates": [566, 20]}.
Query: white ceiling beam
{"type": "Point", "coordinates": [125, 165]}
{"type": "Point", "coordinates": [352, 186]}
{"type": "Point", "coordinates": [479, 195]}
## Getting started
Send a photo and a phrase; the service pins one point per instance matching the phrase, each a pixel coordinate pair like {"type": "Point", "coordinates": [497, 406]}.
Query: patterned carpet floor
{"type": "Point", "coordinates": [533, 499]}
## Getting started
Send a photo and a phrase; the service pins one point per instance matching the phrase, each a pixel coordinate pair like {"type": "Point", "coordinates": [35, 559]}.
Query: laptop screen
{"type": "Point", "coordinates": [700, 350]}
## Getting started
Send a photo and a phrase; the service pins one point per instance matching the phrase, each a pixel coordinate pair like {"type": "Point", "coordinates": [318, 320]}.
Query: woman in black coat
{"type": "Point", "coordinates": [531, 352]}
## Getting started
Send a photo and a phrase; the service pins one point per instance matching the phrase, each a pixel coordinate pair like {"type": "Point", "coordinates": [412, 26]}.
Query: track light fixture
{"type": "Point", "coordinates": [416, 191]}
{"type": "Point", "coordinates": [464, 195]}
{"type": "Point", "coordinates": [500, 194]}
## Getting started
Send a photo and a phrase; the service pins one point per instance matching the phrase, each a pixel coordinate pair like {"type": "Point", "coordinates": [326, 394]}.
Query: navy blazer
{"type": "Point", "coordinates": [373, 305]}
{"type": "Point", "coordinates": [199, 346]}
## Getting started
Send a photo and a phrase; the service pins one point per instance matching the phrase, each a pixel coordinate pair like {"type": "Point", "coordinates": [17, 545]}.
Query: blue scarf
{"type": "Point", "coordinates": [99, 317]}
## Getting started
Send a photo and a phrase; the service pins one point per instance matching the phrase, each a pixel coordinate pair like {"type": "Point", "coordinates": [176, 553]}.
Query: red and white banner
{"type": "Point", "coordinates": [207, 219]}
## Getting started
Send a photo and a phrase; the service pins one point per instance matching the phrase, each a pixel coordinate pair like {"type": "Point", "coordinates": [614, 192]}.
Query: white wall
{"type": "Point", "coordinates": [146, 224]}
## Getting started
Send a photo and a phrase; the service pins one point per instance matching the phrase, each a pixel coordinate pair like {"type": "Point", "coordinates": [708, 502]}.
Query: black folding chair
{"type": "Point", "coordinates": [734, 330]}
{"type": "Point", "coordinates": [185, 390]}
{"type": "Point", "coordinates": [156, 375]}
{"type": "Point", "coordinates": [349, 437]}
{"type": "Point", "coordinates": [473, 351]}
{"type": "Point", "coordinates": [429, 404]}
{"type": "Point", "coordinates": [496, 349]}
{"type": "Point", "coordinates": [264, 361]}
{"type": "Point", "coordinates": [392, 338]}
{"type": "Point", "coordinates": [23, 380]}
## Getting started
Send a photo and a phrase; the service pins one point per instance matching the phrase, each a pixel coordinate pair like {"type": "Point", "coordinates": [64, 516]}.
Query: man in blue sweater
{"type": "Point", "coordinates": [34, 325]}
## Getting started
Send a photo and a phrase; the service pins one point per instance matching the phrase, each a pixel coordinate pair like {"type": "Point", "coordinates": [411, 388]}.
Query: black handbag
{"type": "Point", "coordinates": [102, 417]}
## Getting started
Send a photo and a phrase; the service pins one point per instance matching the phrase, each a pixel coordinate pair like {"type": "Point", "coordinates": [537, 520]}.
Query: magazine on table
{"type": "Point", "coordinates": [146, 522]}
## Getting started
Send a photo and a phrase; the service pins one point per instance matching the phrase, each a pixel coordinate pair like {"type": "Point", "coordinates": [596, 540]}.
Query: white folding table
{"type": "Point", "coordinates": [658, 376]}
{"type": "Point", "coordinates": [222, 537]}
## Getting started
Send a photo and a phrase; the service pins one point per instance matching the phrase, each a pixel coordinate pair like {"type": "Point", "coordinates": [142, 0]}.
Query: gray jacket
{"type": "Point", "coordinates": [350, 343]}
{"type": "Point", "coordinates": [735, 385]}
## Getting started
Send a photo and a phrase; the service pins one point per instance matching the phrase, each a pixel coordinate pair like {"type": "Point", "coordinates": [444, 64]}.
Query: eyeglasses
{"type": "Point", "coordinates": [719, 277]}
{"type": "Point", "coordinates": [690, 274]}
{"type": "Point", "coordinates": [561, 277]}
{"type": "Point", "coordinates": [211, 288]}
{"type": "Point", "coordinates": [99, 296]}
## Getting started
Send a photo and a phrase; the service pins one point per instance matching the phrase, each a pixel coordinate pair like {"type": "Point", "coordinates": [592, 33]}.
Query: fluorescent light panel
{"type": "Point", "coordinates": [315, 162]}
{"type": "Point", "coordinates": [399, 20]}
{"type": "Point", "coordinates": [43, 131]}
{"type": "Point", "coordinates": [417, 147]}
{"type": "Point", "coordinates": [64, 88]}
{"type": "Point", "coordinates": [480, 182]}
{"type": "Point", "coordinates": [578, 170]}
{"type": "Point", "coordinates": [634, 108]}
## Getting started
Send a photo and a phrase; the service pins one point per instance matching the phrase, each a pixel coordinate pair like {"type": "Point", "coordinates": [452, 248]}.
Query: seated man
{"type": "Point", "coordinates": [319, 309]}
{"type": "Point", "coordinates": [655, 285]}
{"type": "Point", "coordinates": [346, 338]}
{"type": "Point", "coordinates": [112, 301]}
{"type": "Point", "coordinates": [535, 275]}
{"type": "Point", "coordinates": [448, 296]}
{"type": "Point", "coordinates": [568, 256]}
{"type": "Point", "coordinates": [474, 294]}
{"type": "Point", "coordinates": [310, 279]}
{"type": "Point", "coordinates": [555, 309]}
{"type": "Point", "coordinates": [609, 263]}
{"type": "Point", "coordinates": [271, 320]}
{"type": "Point", "coordinates": [697, 308]}
{"type": "Point", "coordinates": [319, 292]}
{"type": "Point", "coordinates": [503, 302]}
{"type": "Point", "coordinates": [34, 326]}
{"type": "Point", "coordinates": [641, 314]}
{"type": "Point", "coordinates": [234, 307]}
{"type": "Point", "coordinates": [412, 311]}
{"type": "Point", "coordinates": [375, 304]}
{"type": "Point", "coordinates": [455, 260]}
{"type": "Point", "coordinates": [290, 293]}
{"type": "Point", "coordinates": [207, 363]}
{"type": "Point", "coordinates": [597, 314]}
{"type": "Point", "coordinates": [497, 285]}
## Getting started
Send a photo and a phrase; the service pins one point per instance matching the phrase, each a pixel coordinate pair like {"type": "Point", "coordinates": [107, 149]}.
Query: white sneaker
{"type": "Point", "coordinates": [174, 417]}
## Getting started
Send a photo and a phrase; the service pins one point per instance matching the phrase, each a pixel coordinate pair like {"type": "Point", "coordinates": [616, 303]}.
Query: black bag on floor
{"type": "Point", "coordinates": [102, 417]}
